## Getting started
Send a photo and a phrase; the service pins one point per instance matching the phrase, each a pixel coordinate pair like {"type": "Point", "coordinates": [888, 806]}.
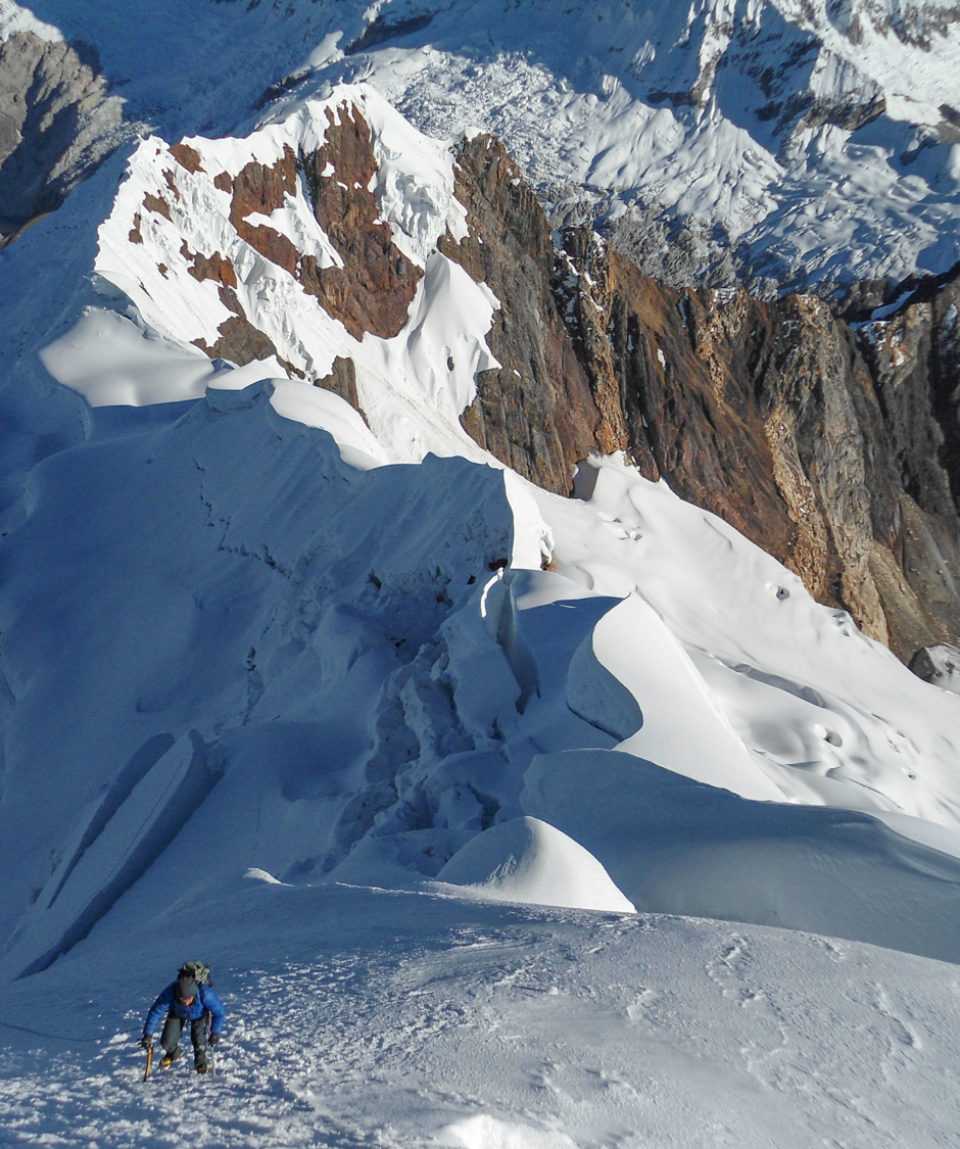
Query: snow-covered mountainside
{"type": "Point", "coordinates": [802, 144]}
{"type": "Point", "coordinates": [351, 640]}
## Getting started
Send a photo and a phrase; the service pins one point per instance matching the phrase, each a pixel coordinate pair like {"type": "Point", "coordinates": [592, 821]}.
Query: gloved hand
{"type": "Point", "coordinates": [214, 1038]}
{"type": "Point", "coordinates": [147, 1041]}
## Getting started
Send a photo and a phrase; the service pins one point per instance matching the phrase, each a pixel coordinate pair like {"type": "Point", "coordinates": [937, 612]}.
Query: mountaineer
{"type": "Point", "coordinates": [190, 998]}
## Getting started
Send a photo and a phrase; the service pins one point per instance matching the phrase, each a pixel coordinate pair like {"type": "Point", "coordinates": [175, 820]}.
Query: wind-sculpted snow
{"type": "Point", "coordinates": [793, 696]}
{"type": "Point", "coordinates": [200, 597]}
{"type": "Point", "coordinates": [686, 848]}
{"type": "Point", "coordinates": [123, 839]}
{"type": "Point", "coordinates": [528, 860]}
{"type": "Point", "coordinates": [342, 667]}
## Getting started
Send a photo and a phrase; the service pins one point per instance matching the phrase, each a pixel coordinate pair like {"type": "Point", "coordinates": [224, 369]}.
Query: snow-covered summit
{"type": "Point", "coordinates": [218, 243]}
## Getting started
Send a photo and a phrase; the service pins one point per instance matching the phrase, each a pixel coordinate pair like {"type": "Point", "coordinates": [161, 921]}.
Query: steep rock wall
{"type": "Point", "coordinates": [538, 411]}
{"type": "Point", "coordinates": [841, 462]}
{"type": "Point", "coordinates": [772, 416]}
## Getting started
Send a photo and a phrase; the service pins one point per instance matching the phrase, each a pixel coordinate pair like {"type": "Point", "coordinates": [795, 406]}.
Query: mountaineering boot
{"type": "Point", "coordinates": [200, 1062]}
{"type": "Point", "coordinates": [170, 1058]}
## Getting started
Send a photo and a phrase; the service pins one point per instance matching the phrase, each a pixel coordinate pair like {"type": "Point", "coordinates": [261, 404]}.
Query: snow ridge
{"type": "Point", "coordinates": [504, 819]}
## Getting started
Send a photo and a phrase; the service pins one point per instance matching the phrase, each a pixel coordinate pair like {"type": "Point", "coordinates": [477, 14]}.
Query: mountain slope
{"type": "Point", "coordinates": [225, 613]}
{"type": "Point", "coordinates": [584, 355]}
{"type": "Point", "coordinates": [818, 140]}
{"type": "Point", "coordinates": [428, 291]}
{"type": "Point", "coordinates": [783, 143]}
{"type": "Point", "coordinates": [343, 600]}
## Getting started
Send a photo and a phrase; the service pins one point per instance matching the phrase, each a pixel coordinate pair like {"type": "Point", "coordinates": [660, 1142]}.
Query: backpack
{"type": "Point", "coordinates": [198, 970]}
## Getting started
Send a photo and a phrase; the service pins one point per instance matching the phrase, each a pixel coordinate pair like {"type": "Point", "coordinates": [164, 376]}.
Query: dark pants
{"type": "Point", "coordinates": [173, 1027]}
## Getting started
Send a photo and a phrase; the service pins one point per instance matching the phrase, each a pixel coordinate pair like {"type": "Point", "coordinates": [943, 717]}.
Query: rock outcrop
{"type": "Point", "coordinates": [57, 122]}
{"type": "Point", "coordinates": [373, 289]}
{"type": "Point", "coordinates": [537, 412]}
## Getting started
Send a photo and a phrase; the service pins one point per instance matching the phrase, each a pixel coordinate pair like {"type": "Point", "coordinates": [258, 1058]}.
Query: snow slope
{"type": "Point", "coordinates": [820, 143]}
{"type": "Point", "coordinates": [363, 1017]}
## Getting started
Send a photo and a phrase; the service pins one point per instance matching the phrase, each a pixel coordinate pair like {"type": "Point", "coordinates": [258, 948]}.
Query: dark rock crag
{"type": "Point", "coordinates": [537, 412]}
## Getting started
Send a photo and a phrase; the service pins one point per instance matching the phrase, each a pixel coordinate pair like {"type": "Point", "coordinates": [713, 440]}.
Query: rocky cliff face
{"type": "Point", "coordinates": [836, 451]}
{"type": "Point", "coordinates": [56, 123]}
{"type": "Point", "coordinates": [540, 411]}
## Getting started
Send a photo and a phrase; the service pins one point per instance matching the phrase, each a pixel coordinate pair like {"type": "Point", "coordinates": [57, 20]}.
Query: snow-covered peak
{"type": "Point", "coordinates": [211, 247]}
{"type": "Point", "coordinates": [219, 244]}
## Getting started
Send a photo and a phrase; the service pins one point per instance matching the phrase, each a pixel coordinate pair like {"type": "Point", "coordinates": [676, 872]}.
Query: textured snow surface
{"type": "Point", "coordinates": [361, 1017]}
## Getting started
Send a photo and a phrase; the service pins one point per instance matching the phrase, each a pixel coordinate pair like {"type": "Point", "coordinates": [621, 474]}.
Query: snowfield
{"type": "Point", "coordinates": [363, 1017]}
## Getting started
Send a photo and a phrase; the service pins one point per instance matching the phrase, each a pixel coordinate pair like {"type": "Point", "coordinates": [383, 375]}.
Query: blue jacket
{"type": "Point", "coordinates": [206, 1001]}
